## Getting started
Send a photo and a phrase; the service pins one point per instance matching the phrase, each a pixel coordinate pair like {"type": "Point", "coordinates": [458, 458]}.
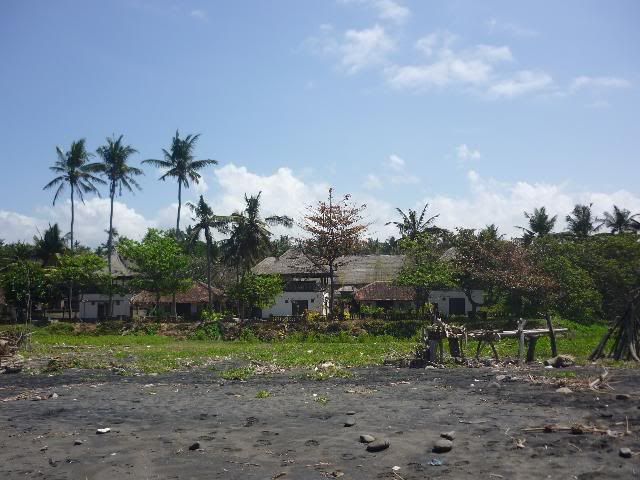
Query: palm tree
{"type": "Point", "coordinates": [411, 225]}
{"type": "Point", "coordinates": [620, 220]}
{"type": "Point", "coordinates": [119, 174]}
{"type": "Point", "coordinates": [49, 246]}
{"type": "Point", "coordinates": [540, 224]}
{"type": "Point", "coordinates": [179, 163]}
{"type": "Point", "coordinates": [205, 222]}
{"type": "Point", "coordinates": [490, 233]}
{"type": "Point", "coordinates": [72, 169]}
{"type": "Point", "coordinates": [250, 237]}
{"type": "Point", "coordinates": [580, 222]}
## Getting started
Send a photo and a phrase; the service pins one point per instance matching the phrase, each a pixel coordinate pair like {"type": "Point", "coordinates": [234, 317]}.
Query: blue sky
{"type": "Point", "coordinates": [482, 109]}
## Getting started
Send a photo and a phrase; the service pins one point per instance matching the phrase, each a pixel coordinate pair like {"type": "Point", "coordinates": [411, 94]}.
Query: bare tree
{"type": "Point", "coordinates": [335, 229]}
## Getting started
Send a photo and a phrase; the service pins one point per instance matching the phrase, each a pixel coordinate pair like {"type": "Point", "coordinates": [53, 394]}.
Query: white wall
{"type": "Point", "coordinates": [89, 305]}
{"type": "Point", "coordinates": [441, 297]}
{"type": "Point", "coordinates": [283, 303]}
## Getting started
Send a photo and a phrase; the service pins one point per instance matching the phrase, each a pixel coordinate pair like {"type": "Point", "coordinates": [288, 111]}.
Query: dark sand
{"type": "Point", "coordinates": [291, 436]}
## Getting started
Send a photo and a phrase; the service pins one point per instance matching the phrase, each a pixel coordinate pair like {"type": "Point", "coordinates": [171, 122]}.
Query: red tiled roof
{"type": "Point", "coordinates": [385, 291]}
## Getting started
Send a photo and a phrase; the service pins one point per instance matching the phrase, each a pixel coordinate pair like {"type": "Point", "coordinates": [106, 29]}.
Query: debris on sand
{"type": "Point", "coordinates": [561, 361]}
{"type": "Point", "coordinates": [625, 452]}
{"type": "Point", "coordinates": [194, 446]}
{"type": "Point", "coordinates": [451, 435]}
{"type": "Point", "coordinates": [564, 390]}
{"type": "Point", "coordinates": [367, 438]}
{"type": "Point", "coordinates": [101, 431]}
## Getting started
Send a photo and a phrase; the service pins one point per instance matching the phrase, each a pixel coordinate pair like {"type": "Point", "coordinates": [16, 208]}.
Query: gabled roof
{"type": "Point", "coordinates": [198, 293]}
{"type": "Point", "coordinates": [120, 266]}
{"type": "Point", "coordinates": [385, 291]}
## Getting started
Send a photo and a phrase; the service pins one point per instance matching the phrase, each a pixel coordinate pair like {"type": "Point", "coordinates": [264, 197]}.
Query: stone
{"type": "Point", "coordinates": [442, 446]}
{"type": "Point", "coordinates": [77, 442]}
{"type": "Point", "coordinates": [351, 412]}
{"type": "Point", "coordinates": [625, 452]}
{"type": "Point", "coordinates": [623, 396]}
{"type": "Point", "coordinates": [54, 395]}
{"type": "Point", "coordinates": [101, 431]}
{"type": "Point", "coordinates": [378, 445]}
{"type": "Point", "coordinates": [494, 385]}
{"type": "Point", "coordinates": [564, 390]}
{"type": "Point", "coordinates": [561, 361]}
{"type": "Point", "coordinates": [194, 446]}
{"type": "Point", "coordinates": [367, 438]}
{"type": "Point", "coordinates": [350, 422]}
{"type": "Point", "coordinates": [448, 435]}
{"type": "Point", "coordinates": [500, 378]}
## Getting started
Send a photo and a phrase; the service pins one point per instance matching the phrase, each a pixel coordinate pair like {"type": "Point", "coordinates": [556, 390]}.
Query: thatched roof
{"type": "Point", "coordinates": [351, 270]}
{"type": "Point", "coordinates": [292, 262]}
{"type": "Point", "coordinates": [198, 293]}
{"type": "Point", "coordinates": [365, 269]}
{"type": "Point", "coordinates": [385, 291]}
{"type": "Point", "coordinates": [120, 266]}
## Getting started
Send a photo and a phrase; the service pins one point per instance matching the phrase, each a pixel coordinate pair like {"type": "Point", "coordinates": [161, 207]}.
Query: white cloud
{"type": "Point", "coordinates": [496, 26]}
{"type": "Point", "coordinates": [467, 67]}
{"type": "Point", "coordinates": [395, 162]}
{"type": "Point", "coordinates": [372, 182]}
{"type": "Point", "coordinates": [390, 10]}
{"type": "Point", "coordinates": [199, 15]}
{"type": "Point", "coordinates": [465, 153]}
{"type": "Point", "coordinates": [364, 48]}
{"type": "Point", "coordinates": [490, 201]}
{"type": "Point", "coordinates": [521, 83]}
{"type": "Point", "coordinates": [585, 82]}
{"type": "Point", "coordinates": [355, 50]}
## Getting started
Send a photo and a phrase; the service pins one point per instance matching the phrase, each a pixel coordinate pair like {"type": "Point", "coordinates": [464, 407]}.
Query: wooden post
{"type": "Point", "coordinates": [433, 351]}
{"type": "Point", "coordinates": [521, 324]}
{"type": "Point", "coordinates": [454, 347]}
{"type": "Point", "coordinates": [531, 350]}
{"type": "Point", "coordinates": [552, 336]}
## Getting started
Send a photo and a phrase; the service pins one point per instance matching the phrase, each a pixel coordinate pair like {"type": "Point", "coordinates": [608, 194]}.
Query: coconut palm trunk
{"type": "Point", "coordinates": [73, 217]}
{"type": "Point", "coordinates": [109, 253]}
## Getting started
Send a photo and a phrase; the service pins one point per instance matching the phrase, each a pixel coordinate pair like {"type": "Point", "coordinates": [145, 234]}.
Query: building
{"type": "Point", "coordinates": [93, 306]}
{"type": "Point", "coordinates": [368, 279]}
{"type": "Point", "coordinates": [395, 297]}
{"type": "Point", "coordinates": [189, 304]}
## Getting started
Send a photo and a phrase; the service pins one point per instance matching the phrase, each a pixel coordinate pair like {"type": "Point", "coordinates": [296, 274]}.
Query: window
{"type": "Point", "coordinates": [456, 306]}
{"type": "Point", "coordinates": [93, 303]}
{"type": "Point", "coordinates": [117, 302]}
{"type": "Point", "coordinates": [312, 300]}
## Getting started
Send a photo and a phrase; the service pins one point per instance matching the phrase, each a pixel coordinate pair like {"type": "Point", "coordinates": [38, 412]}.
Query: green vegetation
{"type": "Point", "coordinates": [263, 394]}
{"type": "Point", "coordinates": [237, 373]}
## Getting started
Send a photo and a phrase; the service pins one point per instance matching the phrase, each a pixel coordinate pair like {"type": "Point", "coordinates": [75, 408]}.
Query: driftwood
{"type": "Point", "coordinates": [625, 333]}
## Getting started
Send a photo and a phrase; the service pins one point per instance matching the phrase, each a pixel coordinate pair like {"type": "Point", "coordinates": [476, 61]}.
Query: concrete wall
{"type": "Point", "coordinates": [441, 298]}
{"type": "Point", "coordinates": [89, 303]}
{"type": "Point", "coordinates": [283, 305]}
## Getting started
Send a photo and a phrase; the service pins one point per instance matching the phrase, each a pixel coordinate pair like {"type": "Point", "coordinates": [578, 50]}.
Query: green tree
{"type": "Point", "coordinates": [25, 285]}
{"type": "Point", "coordinates": [119, 174]}
{"type": "Point", "coordinates": [80, 270]}
{"type": "Point", "coordinates": [160, 263]}
{"type": "Point", "coordinates": [411, 225]}
{"type": "Point", "coordinates": [205, 221]}
{"type": "Point", "coordinates": [49, 246]}
{"type": "Point", "coordinates": [581, 222]}
{"type": "Point", "coordinates": [620, 220]}
{"type": "Point", "coordinates": [423, 269]}
{"type": "Point", "coordinates": [253, 291]}
{"type": "Point", "coordinates": [180, 164]}
{"type": "Point", "coordinates": [250, 239]}
{"type": "Point", "coordinates": [540, 224]}
{"type": "Point", "coordinates": [73, 170]}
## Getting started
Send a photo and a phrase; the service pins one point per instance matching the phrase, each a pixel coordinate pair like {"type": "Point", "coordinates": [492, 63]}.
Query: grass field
{"type": "Point", "coordinates": [156, 353]}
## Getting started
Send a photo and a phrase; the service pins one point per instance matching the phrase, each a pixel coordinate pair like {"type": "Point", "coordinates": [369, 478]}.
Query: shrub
{"type": "Point", "coordinates": [60, 328]}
